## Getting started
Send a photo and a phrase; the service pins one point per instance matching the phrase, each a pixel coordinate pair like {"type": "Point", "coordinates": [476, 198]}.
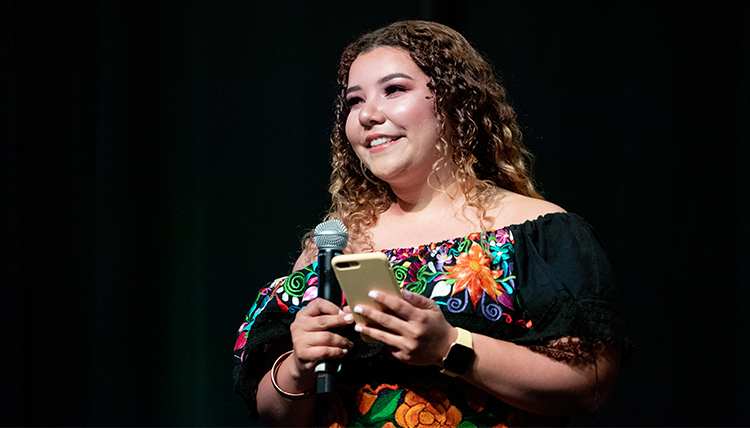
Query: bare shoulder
{"type": "Point", "coordinates": [309, 254]}
{"type": "Point", "coordinates": [514, 208]}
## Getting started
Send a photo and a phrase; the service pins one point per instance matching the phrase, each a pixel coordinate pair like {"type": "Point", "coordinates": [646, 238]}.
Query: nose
{"type": "Point", "coordinates": [370, 114]}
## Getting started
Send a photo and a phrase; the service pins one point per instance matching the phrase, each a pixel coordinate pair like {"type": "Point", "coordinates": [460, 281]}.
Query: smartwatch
{"type": "Point", "coordinates": [460, 354]}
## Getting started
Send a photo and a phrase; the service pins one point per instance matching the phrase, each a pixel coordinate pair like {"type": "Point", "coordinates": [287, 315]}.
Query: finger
{"type": "Point", "coordinates": [400, 349]}
{"type": "Point", "coordinates": [389, 339]}
{"type": "Point", "coordinates": [419, 300]}
{"type": "Point", "coordinates": [400, 306]}
{"type": "Point", "coordinates": [309, 357]}
{"type": "Point", "coordinates": [312, 347]}
{"type": "Point", "coordinates": [306, 323]}
{"type": "Point", "coordinates": [384, 320]}
{"type": "Point", "coordinates": [320, 306]}
{"type": "Point", "coordinates": [326, 344]}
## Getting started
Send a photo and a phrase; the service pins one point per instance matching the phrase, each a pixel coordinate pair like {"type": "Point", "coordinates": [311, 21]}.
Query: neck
{"type": "Point", "coordinates": [437, 194]}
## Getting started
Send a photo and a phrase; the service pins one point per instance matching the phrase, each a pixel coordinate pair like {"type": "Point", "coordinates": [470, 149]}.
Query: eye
{"type": "Point", "coordinates": [352, 101]}
{"type": "Point", "coordinates": [392, 89]}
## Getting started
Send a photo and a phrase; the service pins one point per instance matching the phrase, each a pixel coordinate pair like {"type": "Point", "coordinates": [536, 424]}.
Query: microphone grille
{"type": "Point", "coordinates": [331, 234]}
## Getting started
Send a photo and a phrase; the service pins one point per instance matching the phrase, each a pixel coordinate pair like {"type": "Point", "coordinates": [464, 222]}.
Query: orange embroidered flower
{"type": "Point", "coordinates": [472, 271]}
{"type": "Point", "coordinates": [366, 396]}
{"type": "Point", "coordinates": [427, 410]}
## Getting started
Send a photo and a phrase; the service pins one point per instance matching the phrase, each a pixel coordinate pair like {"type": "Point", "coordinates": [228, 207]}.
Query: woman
{"type": "Point", "coordinates": [508, 314]}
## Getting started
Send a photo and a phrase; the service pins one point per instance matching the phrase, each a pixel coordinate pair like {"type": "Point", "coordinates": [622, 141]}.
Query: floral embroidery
{"type": "Point", "coordinates": [478, 268]}
{"type": "Point", "coordinates": [452, 273]}
{"type": "Point", "coordinates": [366, 396]}
{"type": "Point", "coordinates": [472, 272]}
{"type": "Point", "coordinates": [298, 288]}
{"type": "Point", "coordinates": [291, 293]}
{"type": "Point", "coordinates": [427, 410]}
{"type": "Point", "coordinates": [456, 272]}
{"type": "Point", "coordinates": [395, 406]}
{"type": "Point", "coordinates": [241, 338]}
{"type": "Point", "coordinates": [377, 406]}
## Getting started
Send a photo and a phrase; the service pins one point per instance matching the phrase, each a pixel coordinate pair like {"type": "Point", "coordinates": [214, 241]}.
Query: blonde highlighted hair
{"type": "Point", "coordinates": [484, 135]}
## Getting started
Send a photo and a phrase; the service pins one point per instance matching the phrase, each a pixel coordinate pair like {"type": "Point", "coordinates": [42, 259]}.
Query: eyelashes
{"type": "Point", "coordinates": [388, 91]}
{"type": "Point", "coordinates": [352, 101]}
{"type": "Point", "coordinates": [391, 89]}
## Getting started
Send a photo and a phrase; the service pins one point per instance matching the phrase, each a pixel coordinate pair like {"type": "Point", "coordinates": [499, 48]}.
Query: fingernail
{"type": "Point", "coordinates": [373, 294]}
{"type": "Point", "coordinates": [348, 318]}
{"type": "Point", "coordinates": [358, 309]}
{"type": "Point", "coordinates": [345, 350]}
{"type": "Point", "coordinates": [358, 328]}
{"type": "Point", "coordinates": [341, 312]}
{"type": "Point", "coordinates": [407, 294]}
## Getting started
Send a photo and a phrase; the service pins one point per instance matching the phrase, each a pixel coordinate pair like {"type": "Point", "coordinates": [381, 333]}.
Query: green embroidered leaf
{"type": "Point", "coordinates": [385, 407]}
{"type": "Point", "coordinates": [464, 246]}
{"type": "Point", "coordinates": [466, 424]}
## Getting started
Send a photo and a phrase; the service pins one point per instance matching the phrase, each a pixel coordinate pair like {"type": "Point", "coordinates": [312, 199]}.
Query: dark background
{"type": "Point", "coordinates": [160, 161]}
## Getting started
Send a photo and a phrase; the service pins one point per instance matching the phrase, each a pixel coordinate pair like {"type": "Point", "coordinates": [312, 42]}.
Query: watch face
{"type": "Point", "coordinates": [459, 359]}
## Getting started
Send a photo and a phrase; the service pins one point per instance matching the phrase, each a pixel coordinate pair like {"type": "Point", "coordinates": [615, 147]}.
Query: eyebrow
{"type": "Point", "coordinates": [381, 81]}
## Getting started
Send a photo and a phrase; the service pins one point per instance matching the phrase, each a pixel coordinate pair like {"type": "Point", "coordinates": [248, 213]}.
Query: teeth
{"type": "Point", "coordinates": [379, 141]}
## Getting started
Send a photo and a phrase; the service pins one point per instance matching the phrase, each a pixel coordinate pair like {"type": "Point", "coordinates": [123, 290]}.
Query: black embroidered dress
{"type": "Point", "coordinates": [533, 283]}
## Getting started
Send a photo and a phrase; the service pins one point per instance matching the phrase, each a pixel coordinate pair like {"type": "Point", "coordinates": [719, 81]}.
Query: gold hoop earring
{"type": "Point", "coordinates": [364, 173]}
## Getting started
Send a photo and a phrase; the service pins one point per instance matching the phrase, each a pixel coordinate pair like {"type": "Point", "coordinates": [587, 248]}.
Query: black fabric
{"type": "Point", "coordinates": [567, 286]}
{"type": "Point", "coordinates": [564, 284]}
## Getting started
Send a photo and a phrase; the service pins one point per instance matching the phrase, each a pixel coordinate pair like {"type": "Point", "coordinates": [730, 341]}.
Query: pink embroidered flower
{"type": "Point", "coordinates": [442, 259]}
{"type": "Point", "coordinates": [241, 340]}
{"type": "Point", "coordinates": [503, 236]}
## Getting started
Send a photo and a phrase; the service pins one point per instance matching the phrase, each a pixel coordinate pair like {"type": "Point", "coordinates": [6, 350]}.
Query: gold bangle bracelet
{"type": "Point", "coordinates": [287, 395]}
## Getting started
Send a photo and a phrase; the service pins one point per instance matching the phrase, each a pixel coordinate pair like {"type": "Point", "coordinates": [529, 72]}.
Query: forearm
{"type": "Point", "coordinates": [536, 383]}
{"type": "Point", "coordinates": [419, 335]}
{"type": "Point", "coordinates": [291, 401]}
{"type": "Point", "coordinates": [276, 410]}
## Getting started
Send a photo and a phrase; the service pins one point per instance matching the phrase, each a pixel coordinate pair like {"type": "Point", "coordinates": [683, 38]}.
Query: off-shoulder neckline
{"type": "Point", "coordinates": [465, 237]}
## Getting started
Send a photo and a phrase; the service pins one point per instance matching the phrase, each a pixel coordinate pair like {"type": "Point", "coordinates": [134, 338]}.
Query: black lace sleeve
{"type": "Point", "coordinates": [566, 283]}
{"type": "Point", "coordinates": [255, 352]}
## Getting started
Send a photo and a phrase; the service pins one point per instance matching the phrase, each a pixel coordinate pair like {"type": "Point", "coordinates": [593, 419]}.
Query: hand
{"type": "Point", "coordinates": [311, 339]}
{"type": "Point", "coordinates": [415, 329]}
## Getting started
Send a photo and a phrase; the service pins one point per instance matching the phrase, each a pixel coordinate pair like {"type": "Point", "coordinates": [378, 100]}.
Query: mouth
{"type": "Point", "coordinates": [381, 141]}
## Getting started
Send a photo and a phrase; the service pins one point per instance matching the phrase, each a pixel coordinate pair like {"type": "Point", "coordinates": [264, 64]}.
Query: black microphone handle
{"type": "Point", "coordinates": [329, 289]}
{"type": "Point", "coordinates": [328, 285]}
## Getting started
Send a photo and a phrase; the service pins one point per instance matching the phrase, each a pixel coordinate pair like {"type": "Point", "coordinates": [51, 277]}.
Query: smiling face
{"type": "Point", "coordinates": [392, 125]}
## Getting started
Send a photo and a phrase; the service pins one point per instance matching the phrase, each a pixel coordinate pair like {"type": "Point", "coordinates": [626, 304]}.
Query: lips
{"type": "Point", "coordinates": [379, 140]}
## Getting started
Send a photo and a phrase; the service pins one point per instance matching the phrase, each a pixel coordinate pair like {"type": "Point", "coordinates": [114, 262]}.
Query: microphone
{"type": "Point", "coordinates": [331, 238]}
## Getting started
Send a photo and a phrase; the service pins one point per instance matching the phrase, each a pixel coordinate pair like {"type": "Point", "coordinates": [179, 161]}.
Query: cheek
{"type": "Point", "coordinates": [351, 127]}
{"type": "Point", "coordinates": [419, 112]}
{"type": "Point", "coordinates": [427, 121]}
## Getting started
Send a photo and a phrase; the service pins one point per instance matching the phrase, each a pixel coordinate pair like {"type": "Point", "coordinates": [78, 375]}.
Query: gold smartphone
{"type": "Point", "coordinates": [358, 274]}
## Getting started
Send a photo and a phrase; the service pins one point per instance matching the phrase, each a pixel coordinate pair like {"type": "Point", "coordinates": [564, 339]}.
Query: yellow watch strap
{"type": "Point", "coordinates": [464, 338]}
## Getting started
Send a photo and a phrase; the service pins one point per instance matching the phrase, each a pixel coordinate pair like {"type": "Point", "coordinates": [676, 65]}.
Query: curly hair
{"type": "Point", "coordinates": [484, 134]}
